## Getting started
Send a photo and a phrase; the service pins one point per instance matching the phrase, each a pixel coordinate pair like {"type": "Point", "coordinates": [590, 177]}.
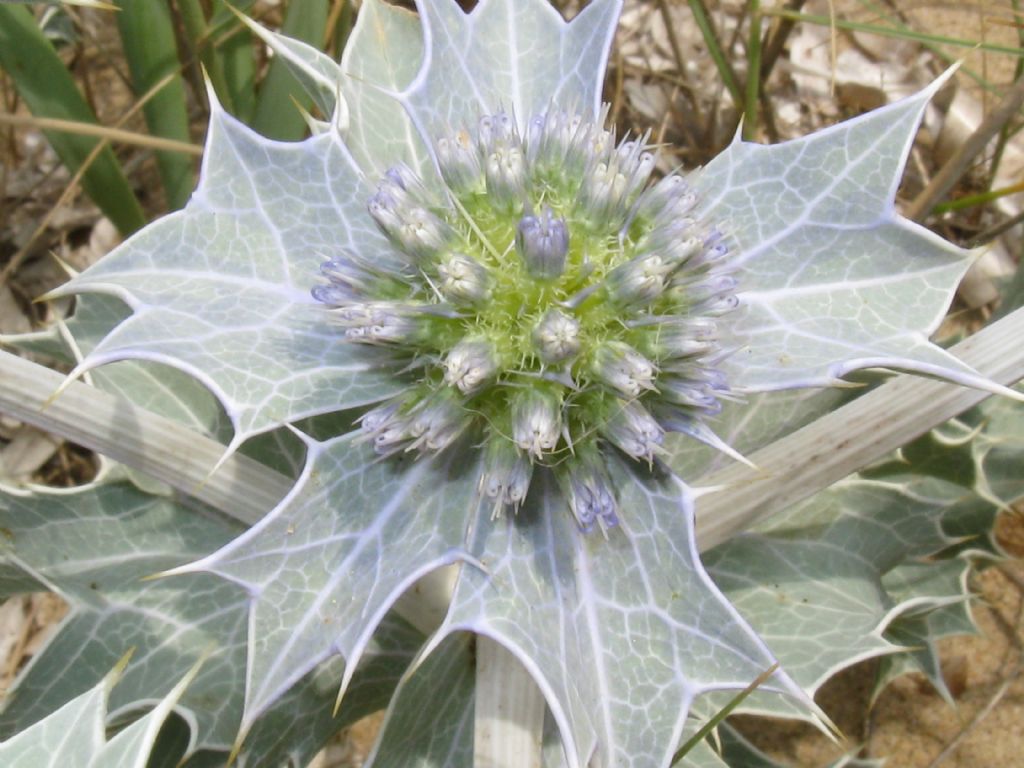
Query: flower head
{"type": "Point", "coordinates": [550, 299]}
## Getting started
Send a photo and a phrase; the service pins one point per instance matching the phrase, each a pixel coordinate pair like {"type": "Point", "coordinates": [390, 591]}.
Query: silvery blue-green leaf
{"type": "Point", "coordinates": [875, 525]}
{"type": "Point", "coordinates": [233, 306]}
{"type": "Point", "coordinates": [302, 721]}
{"type": "Point", "coordinates": [938, 606]}
{"type": "Point", "coordinates": [93, 318]}
{"type": "Point", "coordinates": [818, 608]}
{"type": "Point", "coordinates": [812, 582]}
{"type": "Point", "coordinates": [70, 736]}
{"type": "Point", "coordinates": [621, 633]}
{"type": "Point", "coordinates": [921, 586]}
{"type": "Point", "coordinates": [429, 722]}
{"type": "Point", "coordinates": [383, 55]}
{"type": "Point", "coordinates": [14, 581]}
{"type": "Point", "coordinates": [326, 565]}
{"type": "Point", "coordinates": [133, 746]}
{"type": "Point", "coordinates": [831, 278]}
{"type": "Point", "coordinates": [516, 55]}
{"type": "Point", "coordinates": [918, 635]}
{"type": "Point", "coordinates": [840, 577]}
{"type": "Point", "coordinates": [95, 547]}
{"type": "Point", "coordinates": [886, 521]}
{"type": "Point", "coordinates": [997, 449]}
{"type": "Point", "coordinates": [75, 735]}
{"type": "Point", "coordinates": [981, 450]}
{"type": "Point", "coordinates": [298, 724]}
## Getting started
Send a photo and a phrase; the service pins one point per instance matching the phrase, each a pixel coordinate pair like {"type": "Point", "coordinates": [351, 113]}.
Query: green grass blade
{"type": "Point", "coordinates": [707, 30]}
{"type": "Point", "coordinates": [899, 28]}
{"type": "Point", "coordinates": [276, 115]}
{"type": "Point", "coordinates": [47, 88]}
{"type": "Point", "coordinates": [233, 46]}
{"type": "Point", "coordinates": [981, 198]}
{"type": "Point", "coordinates": [147, 35]}
{"type": "Point", "coordinates": [197, 39]}
{"type": "Point", "coordinates": [343, 19]}
{"type": "Point", "coordinates": [1005, 133]}
{"type": "Point", "coordinates": [904, 33]}
{"type": "Point", "coordinates": [240, 73]}
{"type": "Point", "coordinates": [232, 56]}
{"type": "Point", "coordinates": [753, 71]}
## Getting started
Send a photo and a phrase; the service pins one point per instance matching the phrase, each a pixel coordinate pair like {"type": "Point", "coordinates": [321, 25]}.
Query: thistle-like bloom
{"type": "Point", "coordinates": [552, 301]}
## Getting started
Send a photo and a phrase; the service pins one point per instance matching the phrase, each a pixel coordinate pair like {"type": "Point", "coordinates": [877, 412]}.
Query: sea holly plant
{"type": "Point", "coordinates": [467, 324]}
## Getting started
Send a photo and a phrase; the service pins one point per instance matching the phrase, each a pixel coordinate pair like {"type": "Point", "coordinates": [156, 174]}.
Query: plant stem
{"type": "Point", "coordinates": [508, 717]}
{"type": "Point", "coordinates": [849, 438]}
{"type": "Point", "coordinates": [111, 425]}
{"type": "Point", "coordinates": [988, 235]}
